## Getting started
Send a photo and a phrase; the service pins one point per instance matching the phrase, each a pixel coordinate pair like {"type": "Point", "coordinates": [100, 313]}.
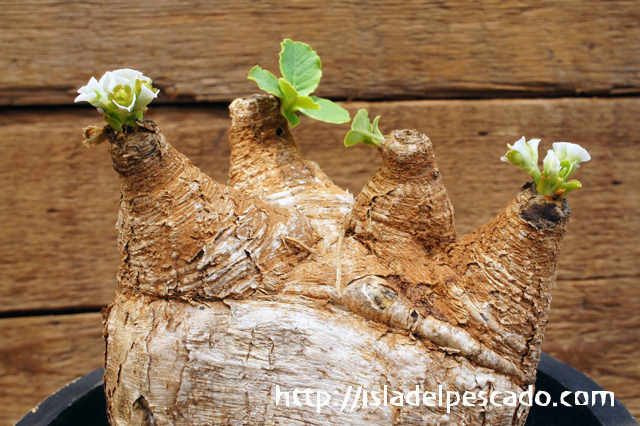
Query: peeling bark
{"type": "Point", "coordinates": [284, 279]}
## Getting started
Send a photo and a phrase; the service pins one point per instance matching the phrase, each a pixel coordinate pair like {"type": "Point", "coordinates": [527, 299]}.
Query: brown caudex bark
{"type": "Point", "coordinates": [283, 279]}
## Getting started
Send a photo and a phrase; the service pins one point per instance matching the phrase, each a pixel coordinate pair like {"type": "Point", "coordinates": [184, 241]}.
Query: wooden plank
{"type": "Point", "coordinates": [595, 329]}
{"type": "Point", "coordinates": [203, 51]}
{"type": "Point", "coordinates": [469, 137]}
{"type": "Point", "coordinates": [58, 244]}
{"type": "Point", "coordinates": [39, 355]}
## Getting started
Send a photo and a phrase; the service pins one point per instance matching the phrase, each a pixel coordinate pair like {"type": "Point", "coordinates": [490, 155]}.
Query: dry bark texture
{"type": "Point", "coordinates": [226, 292]}
{"type": "Point", "coordinates": [57, 242]}
{"type": "Point", "coordinates": [266, 162]}
{"type": "Point", "coordinates": [58, 232]}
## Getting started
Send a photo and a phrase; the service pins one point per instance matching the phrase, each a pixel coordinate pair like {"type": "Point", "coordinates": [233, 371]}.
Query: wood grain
{"type": "Point", "coordinates": [57, 243]}
{"type": "Point", "coordinates": [595, 328]}
{"type": "Point", "coordinates": [39, 355]}
{"type": "Point", "coordinates": [58, 246]}
{"type": "Point", "coordinates": [203, 51]}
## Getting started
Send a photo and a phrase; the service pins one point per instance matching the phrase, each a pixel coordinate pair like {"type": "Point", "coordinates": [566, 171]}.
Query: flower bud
{"type": "Point", "coordinates": [524, 155]}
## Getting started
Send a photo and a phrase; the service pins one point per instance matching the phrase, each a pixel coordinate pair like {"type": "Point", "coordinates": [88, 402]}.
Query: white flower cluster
{"type": "Point", "coordinates": [121, 95]}
{"type": "Point", "coordinates": [557, 167]}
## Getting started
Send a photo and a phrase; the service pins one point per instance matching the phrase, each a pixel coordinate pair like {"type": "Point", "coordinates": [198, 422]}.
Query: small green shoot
{"type": "Point", "coordinates": [362, 130]}
{"type": "Point", "coordinates": [300, 68]}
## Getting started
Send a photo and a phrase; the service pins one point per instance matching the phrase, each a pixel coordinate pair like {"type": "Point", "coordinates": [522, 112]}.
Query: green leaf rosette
{"type": "Point", "coordinates": [300, 68]}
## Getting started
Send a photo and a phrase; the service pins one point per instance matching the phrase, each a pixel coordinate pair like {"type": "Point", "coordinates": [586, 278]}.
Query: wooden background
{"type": "Point", "coordinates": [472, 75]}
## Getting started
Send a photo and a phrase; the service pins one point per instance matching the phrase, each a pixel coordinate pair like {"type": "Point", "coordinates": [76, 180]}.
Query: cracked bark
{"type": "Point", "coordinates": [282, 278]}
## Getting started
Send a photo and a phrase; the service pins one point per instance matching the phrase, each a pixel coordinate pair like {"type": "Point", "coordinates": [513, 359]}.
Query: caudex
{"type": "Point", "coordinates": [231, 294]}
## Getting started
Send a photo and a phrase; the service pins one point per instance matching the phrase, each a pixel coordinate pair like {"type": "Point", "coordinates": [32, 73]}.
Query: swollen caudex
{"type": "Point", "coordinates": [282, 278]}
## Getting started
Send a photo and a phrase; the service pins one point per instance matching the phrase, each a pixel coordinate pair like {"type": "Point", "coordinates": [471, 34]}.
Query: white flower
{"type": "Point", "coordinates": [571, 152]}
{"type": "Point", "coordinates": [129, 74]}
{"type": "Point", "coordinates": [551, 165]}
{"type": "Point", "coordinates": [533, 149]}
{"type": "Point", "coordinates": [145, 97]}
{"type": "Point", "coordinates": [121, 95]}
{"type": "Point", "coordinates": [558, 166]}
{"type": "Point", "coordinates": [524, 155]}
{"type": "Point", "coordinates": [89, 93]}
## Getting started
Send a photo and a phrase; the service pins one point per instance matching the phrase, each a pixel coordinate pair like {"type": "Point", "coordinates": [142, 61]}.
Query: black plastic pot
{"type": "Point", "coordinates": [82, 403]}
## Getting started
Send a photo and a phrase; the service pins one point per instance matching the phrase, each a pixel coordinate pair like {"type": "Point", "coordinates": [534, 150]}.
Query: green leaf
{"type": "Point", "coordinates": [306, 103]}
{"type": "Point", "coordinates": [571, 185]}
{"type": "Point", "coordinates": [292, 118]}
{"type": "Point", "coordinates": [361, 121]}
{"type": "Point", "coordinates": [266, 81]}
{"type": "Point", "coordinates": [329, 112]}
{"type": "Point", "coordinates": [300, 66]}
{"type": "Point", "coordinates": [375, 127]}
{"type": "Point", "coordinates": [353, 138]}
{"type": "Point", "coordinates": [369, 133]}
{"type": "Point", "coordinates": [289, 92]}
{"type": "Point", "coordinates": [290, 96]}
